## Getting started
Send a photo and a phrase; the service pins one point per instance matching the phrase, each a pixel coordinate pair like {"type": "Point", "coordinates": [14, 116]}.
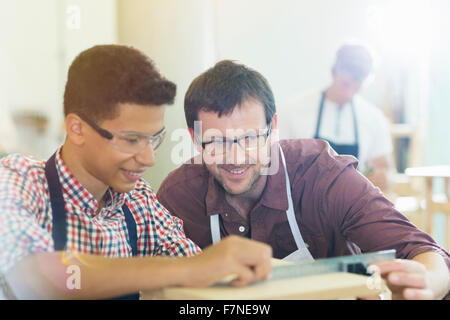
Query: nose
{"type": "Point", "coordinates": [146, 157]}
{"type": "Point", "coordinates": [236, 155]}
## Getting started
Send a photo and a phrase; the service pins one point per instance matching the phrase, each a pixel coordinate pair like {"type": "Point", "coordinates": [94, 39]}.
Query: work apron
{"type": "Point", "coordinates": [302, 253]}
{"type": "Point", "coordinates": [347, 149]}
{"type": "Point", "coordinates": [59, 229]}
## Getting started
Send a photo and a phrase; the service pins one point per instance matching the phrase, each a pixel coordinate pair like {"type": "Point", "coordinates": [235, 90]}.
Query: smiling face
{"type": "Point", "coordinates": [237, 170]}
{"type": "Point", "coordinates": [107, 164]}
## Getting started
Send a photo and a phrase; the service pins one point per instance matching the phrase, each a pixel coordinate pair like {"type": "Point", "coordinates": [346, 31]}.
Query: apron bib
{"type": "Point", "coordinates": [347, 149]}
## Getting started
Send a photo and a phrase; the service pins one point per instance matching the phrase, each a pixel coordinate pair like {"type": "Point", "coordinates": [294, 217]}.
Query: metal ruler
{"type": "Point", "coordinates": [354, 264]}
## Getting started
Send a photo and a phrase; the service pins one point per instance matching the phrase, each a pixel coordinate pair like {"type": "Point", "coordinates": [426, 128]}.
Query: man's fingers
{"type": "Point", "coordinates": [418, 294]}
{"type": "Point", "coordinates": [257, 270]}
{"type": "Point", "coordinates": [410, 280]}
{"type": "Point", "coordinates": [251, 252]}
{"type": "Point", "coordinates": [244, 276]}
{"type": "Point", "coordinates": [255, 255]}
{"type": "Point", "coordinates": [398, 265]}
{"type": "Point", "coordinates": [262, 270]}
{"type": "Point", "coordinates": [249, 260]}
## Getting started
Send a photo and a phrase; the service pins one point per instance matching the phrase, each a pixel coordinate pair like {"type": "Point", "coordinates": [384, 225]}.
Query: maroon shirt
{"type": "Point", "coordinates": [339, 212]}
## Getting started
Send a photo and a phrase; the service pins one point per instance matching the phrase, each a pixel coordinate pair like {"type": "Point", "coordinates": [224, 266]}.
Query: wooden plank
{"type": "Point", "coordinates": [339, 285]}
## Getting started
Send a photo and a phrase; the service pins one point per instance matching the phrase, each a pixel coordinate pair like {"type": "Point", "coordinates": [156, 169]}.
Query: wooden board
{"type": "Point", "coordinates": [339, 285]}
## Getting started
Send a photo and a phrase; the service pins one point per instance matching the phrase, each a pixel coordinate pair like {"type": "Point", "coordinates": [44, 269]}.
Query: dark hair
{"type": "Point", "coordinates": [227, 85]}
{"type": "Point", "coordinates": [105, 75]}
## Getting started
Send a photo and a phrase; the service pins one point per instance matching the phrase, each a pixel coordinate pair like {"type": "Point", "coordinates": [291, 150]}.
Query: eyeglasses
{"type": "Point", "coordinates": [219, 146]}
{"type": "Point", "coordinates": [129, 142]}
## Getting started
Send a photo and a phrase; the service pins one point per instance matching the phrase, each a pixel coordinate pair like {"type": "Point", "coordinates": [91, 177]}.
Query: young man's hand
{"type": "Point", "coordinates": [423, 278]}
{"type": "Point", "coordinates": [246, 260]}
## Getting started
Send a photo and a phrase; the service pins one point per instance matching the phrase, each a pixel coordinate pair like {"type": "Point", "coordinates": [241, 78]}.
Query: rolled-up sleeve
{"type": "Point", "coordinates": [365, 217]}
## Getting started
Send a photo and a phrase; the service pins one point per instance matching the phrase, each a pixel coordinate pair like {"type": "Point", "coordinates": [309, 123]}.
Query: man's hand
{"type": "Point", "coordinates": [423, 278]}
{"type": "Point", "coordinates": [247, 260]}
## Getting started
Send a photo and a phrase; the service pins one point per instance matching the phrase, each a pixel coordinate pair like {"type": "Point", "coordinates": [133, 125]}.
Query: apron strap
{"type": "Point", "coordinates": [215, 228]}
{"type": "Point", "coordinates": [355, 125]}
{"type": "Point", "coordinates": [351, 149]}
{"type": "Point", "coordinates": [132, 229]}
{"type": "Point", "coordinates": [59, 228]}
{"type": "Point", "coordinates": [319, 116]}
{"type": "Point", "coordinates": [290, 212]}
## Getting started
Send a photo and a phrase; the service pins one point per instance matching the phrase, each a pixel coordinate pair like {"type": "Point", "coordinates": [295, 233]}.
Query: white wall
{"type": "Point", "coordinates": [36, 48]}
{"type": "Point", "coordinates": [28, 36]}
{"type": "Point", "coordinates": [291, 42]}
{"type": "Point", "coordinates": [174, 35]}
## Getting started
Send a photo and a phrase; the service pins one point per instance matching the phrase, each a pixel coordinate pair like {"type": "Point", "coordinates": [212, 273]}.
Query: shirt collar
{"type": "Point", "coordinates": [274, 195]}
{"type": "Point", "coordinates": [79, 196]}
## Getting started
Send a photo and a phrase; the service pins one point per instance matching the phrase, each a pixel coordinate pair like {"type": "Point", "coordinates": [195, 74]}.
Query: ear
{"type": "Point", "coordinates": [274, 122]}
{"type": "Point", "coordinates": [274, 136]}
{"type": "Point", "coordinates": [194, 140]}
{"type": "Point", "coordinates": [75, 129]}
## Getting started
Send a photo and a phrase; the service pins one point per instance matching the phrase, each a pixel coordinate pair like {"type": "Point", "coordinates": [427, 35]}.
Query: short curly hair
{"type": "Point", "coordinates": [105, 75]}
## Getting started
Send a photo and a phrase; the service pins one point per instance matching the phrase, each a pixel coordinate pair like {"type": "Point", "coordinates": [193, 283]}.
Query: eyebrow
{"type": "Point", "coordinates": [241, 136]}
{"type": "Point", "coordinates": [137, 133]}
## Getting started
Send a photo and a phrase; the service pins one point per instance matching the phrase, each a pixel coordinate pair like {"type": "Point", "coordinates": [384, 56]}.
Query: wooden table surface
{"type": "Point", "coordinates": [429, 171]}
{"type": "Point", "coordinates": [330, 286]}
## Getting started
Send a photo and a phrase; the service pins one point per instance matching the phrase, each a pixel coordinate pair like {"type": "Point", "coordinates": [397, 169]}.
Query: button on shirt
{"type": "Point", "coordinates": [338, 211]}
{"type": "Point", "coordinates": [26, 217]}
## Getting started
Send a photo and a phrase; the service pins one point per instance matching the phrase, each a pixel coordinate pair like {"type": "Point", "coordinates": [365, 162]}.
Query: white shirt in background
{"type": "Point", "coordinates": [298, 119]}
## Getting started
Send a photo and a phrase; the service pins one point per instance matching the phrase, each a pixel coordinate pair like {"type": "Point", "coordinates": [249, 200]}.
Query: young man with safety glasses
{"type": "Point", "coordinates": [87, 208]}
{"type": "Point", "coordinates": [298, 196]}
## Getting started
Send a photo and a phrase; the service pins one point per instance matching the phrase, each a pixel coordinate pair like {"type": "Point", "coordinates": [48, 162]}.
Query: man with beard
{"type": "Point", "coordinates": [298, 196]}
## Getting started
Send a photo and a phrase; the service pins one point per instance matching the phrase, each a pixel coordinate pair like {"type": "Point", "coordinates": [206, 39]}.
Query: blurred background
{"type": "Point", "coordinates": [291, 42]}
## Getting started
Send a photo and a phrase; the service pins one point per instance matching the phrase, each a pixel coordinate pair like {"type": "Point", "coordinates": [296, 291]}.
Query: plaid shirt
{"type": "Point", "coordinates": [26, 217]}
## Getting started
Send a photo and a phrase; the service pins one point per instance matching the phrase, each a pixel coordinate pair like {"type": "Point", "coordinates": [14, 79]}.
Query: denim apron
{"type": "Point", "coordinates": [59, 229]}
{"type": "Point", "coordinates": [347, 149]}
{"type": "Point", "coordinates": [302, 253]}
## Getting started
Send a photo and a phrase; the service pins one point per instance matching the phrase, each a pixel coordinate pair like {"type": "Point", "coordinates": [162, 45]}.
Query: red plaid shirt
{"type": "Point", "coordinates": [26, 217]}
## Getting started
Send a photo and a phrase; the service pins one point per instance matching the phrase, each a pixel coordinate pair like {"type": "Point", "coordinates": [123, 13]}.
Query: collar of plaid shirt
{"type": "Point", "coordinates": [79, 196]}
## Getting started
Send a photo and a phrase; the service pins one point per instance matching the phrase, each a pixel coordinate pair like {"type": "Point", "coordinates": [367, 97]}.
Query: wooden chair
{"type": "Point", "coordinates": [435, 203]}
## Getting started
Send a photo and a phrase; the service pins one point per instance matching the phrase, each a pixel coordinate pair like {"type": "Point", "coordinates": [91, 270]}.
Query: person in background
{"type": "Point", "coordinates": [299, 196]}
{"type": "Point", "coordinates": [337, 114]}
{"type": "Point", "coordinates": [87, 208]}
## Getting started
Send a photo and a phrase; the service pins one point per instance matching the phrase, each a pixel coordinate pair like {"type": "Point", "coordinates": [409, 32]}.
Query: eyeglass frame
{"type": "Point", "coordinates": [233, 141]}
{"type": "Point", "coordinates": [109, 135]}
